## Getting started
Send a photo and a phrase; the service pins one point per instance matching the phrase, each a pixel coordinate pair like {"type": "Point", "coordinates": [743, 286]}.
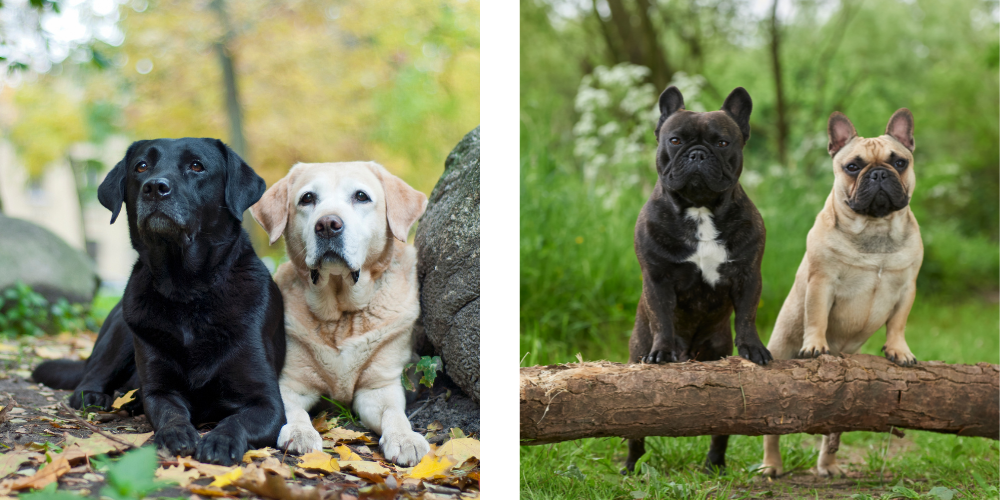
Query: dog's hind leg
{"type": "Point", "coordinates": [715, 462]}
{"type": "Point", "coordinates": [636, 449]}
{"type": "Point", "coordinates": [827, 466]}
{"type": "Point", "coordinates": [110, 366]}
{"type": "Point", "coordinates": [771, 466]}
{"type": "Point", "coordinates": [383, 411]}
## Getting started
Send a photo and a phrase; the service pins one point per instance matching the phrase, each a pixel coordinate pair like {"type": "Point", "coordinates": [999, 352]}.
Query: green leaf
{"type": "Point", "coordinates": [50, 493]}
{"type": "Point", "coordinates": [429, 366]}
{"type": "Point", "coordinates": [942, 493]}
{"type": "Point", "coordinates": [132, 476]}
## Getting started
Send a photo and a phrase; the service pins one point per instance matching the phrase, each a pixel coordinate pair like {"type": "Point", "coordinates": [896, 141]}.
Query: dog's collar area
{"type": "Point", "coordinates": [314, 276]}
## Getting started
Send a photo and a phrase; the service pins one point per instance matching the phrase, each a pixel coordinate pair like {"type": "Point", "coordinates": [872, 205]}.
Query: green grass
{"type": "Point", "coordinates": [580, 282]}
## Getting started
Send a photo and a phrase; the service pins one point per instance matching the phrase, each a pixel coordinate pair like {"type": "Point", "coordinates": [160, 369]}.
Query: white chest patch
{"type": "Point", "coordinates": [710, 253]}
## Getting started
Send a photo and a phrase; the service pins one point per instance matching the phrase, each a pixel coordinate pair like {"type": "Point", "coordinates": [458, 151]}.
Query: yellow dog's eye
{"type": "Point", "coordinates": [307, 199]}
{"type": "Point", "coordinates": [362, 197]}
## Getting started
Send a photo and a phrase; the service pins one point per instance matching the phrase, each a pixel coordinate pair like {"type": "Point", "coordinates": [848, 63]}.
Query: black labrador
{"type": "Point", "coordinates": [200, 327]}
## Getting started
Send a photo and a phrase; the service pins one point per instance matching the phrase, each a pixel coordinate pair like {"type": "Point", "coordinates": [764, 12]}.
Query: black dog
{"type": "Point", "coordinates": [700, 241]}
{"type": "Point", "coordinates": [200, 328]}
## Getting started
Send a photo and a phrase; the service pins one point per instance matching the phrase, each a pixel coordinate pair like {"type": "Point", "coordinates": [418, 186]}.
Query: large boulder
{"type": "Point", "coordinates": [44, 262]}
{"type": "Point", "coordinates": [448, 266]}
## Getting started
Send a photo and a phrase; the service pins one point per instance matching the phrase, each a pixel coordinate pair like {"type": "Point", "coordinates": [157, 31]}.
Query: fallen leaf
{"type": "Point", "coordinates": [45, 476]}
{"type": "Point", "coordinates": [261, 453]}
{"type": "Point", "coordinates": [10, 462]}
{"type": "Point", "coordinates": [346, 454]}
{"type": "Point", "coordinates": [210, 491]}
{"type": "Point", "coordinates": [460, 449]}
{"type": "Point", "coordinates": [431, 467]}
{"type": "Point", "coordinates": [127, 398]}
{"type": "Point", "coordinates": [204, 469]}
{"type": "Point", "coordinates": [270, 484]}
{"type": "Point", "coordinates": [177, 474]}
{"type": "Point", "coordinates": [362, 466]}
{"type": "Point", "coordinates": [274, 465]}
{"type": "Point", "coordinates": [456, 433]}
{"type": "Point", "coordinates": [47, 353]}
{"type": "Point", "coordinates": [320, 423]}
{"type": "Point", "coordinates": [97, 444]}
{"type": "Point", "coordinates": [8, 348]}
{"type": "Point", "coordinates": [435, 426]}
{"type": "Point", "coordinates": [226, 479]}
{"type": "Point", "coordinates": [318, 460]}
{"type": "Point", "coordinates": [342, 435]}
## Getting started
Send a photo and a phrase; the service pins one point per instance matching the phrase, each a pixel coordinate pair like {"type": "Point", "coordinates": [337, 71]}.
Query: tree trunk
{"type": "Point", "coordinates": [614, 49]}
{"type": "Point", "coordinates": [733, 396]}
{"type": "Point", "coordinates": [237, 139]}
{"type": "Point", "coordinates": [779, 90]}
{"type": "Point", "coordinates": [626, 33]}
{"type": "Point", "coordinates": [656, 59]}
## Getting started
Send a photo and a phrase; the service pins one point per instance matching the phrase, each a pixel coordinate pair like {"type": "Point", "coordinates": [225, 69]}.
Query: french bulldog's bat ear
{"type": "Point", "coordinates": [671, 101]}
{"type": "Point", "coordinates": [243, 186]}
{"type": "Point", "coordinates": [738, 106]}
{"type": "Point", "coordinates": [900, 127]}
{"type": "Point", "coordinates": [271, 212]}
{"type": "Point", "coordinates": [111, 192]}
{"type": "Point", "coordinates": [841, 131]}
{"type": "Point", "coordinates": [403, 204]}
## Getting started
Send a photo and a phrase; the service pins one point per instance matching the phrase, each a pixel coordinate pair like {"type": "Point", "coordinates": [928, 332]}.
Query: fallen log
{"type": "Point", "coordinates": [733, 396]}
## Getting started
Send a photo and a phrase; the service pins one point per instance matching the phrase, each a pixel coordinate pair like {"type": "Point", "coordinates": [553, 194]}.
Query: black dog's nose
{"type": "Point", "coordinates": [156, 189]}
{"type": "Point", "coordinates": [697, 155]}
{"type": "Point", "coordinates": [878, 174]}
{"type": "Point", "coordinates": [329, 226]}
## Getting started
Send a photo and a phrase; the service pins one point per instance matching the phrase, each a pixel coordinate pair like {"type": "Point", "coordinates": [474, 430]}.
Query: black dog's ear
{"type": "Point", "coordinates": [243, 186]}
{"type": "Point", "coordinates": [900, 127]}
{"type": "Point", "coordinates": [671, 101]}
{"type": "Point", "coordinates": [111, 192]}
{"type": "Point", "coordinates": [841, 131]}
{"type": "Point", "coordinates": [738, 106]}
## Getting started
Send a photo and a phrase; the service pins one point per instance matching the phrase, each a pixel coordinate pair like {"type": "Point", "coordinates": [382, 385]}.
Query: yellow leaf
{"type": "Point", "coordinates": [346, 453]}
{"type": "Point", "coordinates": [435, 426]}
{"type": "Point", "coordinates": [319, 461]}
{"type": "Point", "coordinates": [178, 474]}
{"type": "Point", "coordinates": [209, 491]}
{"type": "Point", "coordinates": [47, 353]}
{"type": "Point", "coordinates": [364, 466]}
{"type": "Point", "coordinates": [340, 434]}
{"type": "Point", "coordinates": [127, 398]}
{"type": "Point", "coordinates": [227, 478]}
{"type": "Point", "coordinates": [97, 444]}
{"type": "Point", "coordinates": [429, 467]}
{"type": "Point", "coordinates": [204, 469]}
{"type": "Point", "coordinates": [44, 477]}
{"type": "Point", "coordinates": [460, 449]}
{"type": "Point", "coordinates": [261, 453]}
{"type": "Point", "coordinates": [8, 348]}
{"type": "Point", "coordinates": [9, 462]}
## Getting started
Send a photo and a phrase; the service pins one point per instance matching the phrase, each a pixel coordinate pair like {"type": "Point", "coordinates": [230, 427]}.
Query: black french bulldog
{"type": "Point", "coordinates": [200, 327]}
{"type": "Point", "coordinates": [700, 241]}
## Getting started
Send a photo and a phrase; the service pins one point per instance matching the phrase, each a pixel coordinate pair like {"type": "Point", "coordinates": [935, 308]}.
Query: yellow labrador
{"type": "Point", "coordinates": [351, 297]}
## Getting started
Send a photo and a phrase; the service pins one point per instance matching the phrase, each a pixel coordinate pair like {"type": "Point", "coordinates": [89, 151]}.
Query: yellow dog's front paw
{"type": "Point", "coordinates": [830, 470]}
{"type": "Point", "coordinates": [299, 438]}
{"type": "Point", "coordinates": [404, 448]}
{"type": "Point", "coordinates": [814, 348]}
{"type": "Point", "coordinates": [899, 355]}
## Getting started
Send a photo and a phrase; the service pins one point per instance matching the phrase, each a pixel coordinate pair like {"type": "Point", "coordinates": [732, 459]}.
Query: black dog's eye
{"type": "Point", "coordinates": [307, 199]}
{"type": "Point", "coordinates": [362, 197]}
{"type": "Point", "coordinates": [900, 164]}
{"type": "Point", "coordinates": [723, 144]}
{"type": "Point", "coordinates": [197, 166]}
{"type": "Point", "coordinates": [141, 167]}
{"type": "Point", "coordinates": [852, 168]}
{"type": "Point", "coordinates": [675, 141]}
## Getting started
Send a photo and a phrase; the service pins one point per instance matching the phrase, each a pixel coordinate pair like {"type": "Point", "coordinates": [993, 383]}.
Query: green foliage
{"type": "Point", "coordinates": [132, 476]}
{"type": "Point", "coordinates": [51, 492]}
{"type": "Point", "coordinates": [25, 312]}
{"type": "Point", "coordinates": [344, 412]}
{"type": "Point", "coordinates": [427, 368]}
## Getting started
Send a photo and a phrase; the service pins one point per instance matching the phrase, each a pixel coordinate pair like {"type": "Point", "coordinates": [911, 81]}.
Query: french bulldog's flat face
{"type": "Point", "coordinates": [873, 176]}
{"type": "Point", "coordinates": [700, 155]}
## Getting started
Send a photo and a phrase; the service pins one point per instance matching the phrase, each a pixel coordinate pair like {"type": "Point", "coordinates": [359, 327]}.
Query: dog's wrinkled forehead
{"type": "Point", "coordinates": [866, 152]}
{"type": "Point", "coordinates": [709, 125]}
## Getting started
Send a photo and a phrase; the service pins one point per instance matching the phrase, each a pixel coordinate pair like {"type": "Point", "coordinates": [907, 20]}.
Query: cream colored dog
{"type": "Point", "coordinates": [351, 297]}
{"type": "Point", "coordinates": [861, 263]}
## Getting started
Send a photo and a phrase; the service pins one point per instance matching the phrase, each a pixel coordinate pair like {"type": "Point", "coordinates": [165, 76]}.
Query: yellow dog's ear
{"type": "Point", "coordinates": [403, 204]}
{"type": "Point", "coordinates": [271, 211]}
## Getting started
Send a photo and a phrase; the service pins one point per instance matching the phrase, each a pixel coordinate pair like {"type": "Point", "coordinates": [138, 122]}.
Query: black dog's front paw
{"type": "Point", "coordinates": [221, 448]}
{"type": "Point", "coordinates": [756, 353]}
{"type": "Point", "coordinates": [179, 440]}
{"type": "Point", "coordinates": [657, 356]}
{"type": "Point", "coordinates": [91, 400]}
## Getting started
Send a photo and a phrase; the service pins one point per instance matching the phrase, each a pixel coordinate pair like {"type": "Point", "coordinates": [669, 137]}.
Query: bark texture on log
{"type": "Point", "coordinates": [733, 396]}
